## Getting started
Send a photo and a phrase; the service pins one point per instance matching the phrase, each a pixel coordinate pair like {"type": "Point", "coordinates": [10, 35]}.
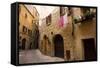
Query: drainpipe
{"type": "Point", "coordinates": [73, 37]}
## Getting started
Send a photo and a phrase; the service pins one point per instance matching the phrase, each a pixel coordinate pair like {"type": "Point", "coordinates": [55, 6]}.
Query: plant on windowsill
{"type": "Point", "coordinates": [86, 17]}
{"type": "Point", "coordinates": [89, 15]}
{"type": "Point", "coordinates": [77, 19]}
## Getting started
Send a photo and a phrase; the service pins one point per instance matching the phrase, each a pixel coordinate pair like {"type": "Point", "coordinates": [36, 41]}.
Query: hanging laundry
{"type": "Point", "coordinates": [61, 22]}
{"type": "Point", "coordinates": [65, 18]}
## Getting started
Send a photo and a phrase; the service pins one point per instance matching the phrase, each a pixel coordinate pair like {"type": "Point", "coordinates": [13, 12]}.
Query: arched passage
{"type": "Point", "coordinates": [58, 46]}
{"type": "Point", "coordinates": [45, 43]}
{"type": "Point", "coordinates": [36, 36]}
{"type": "Point", "coordinates": [23, 43]}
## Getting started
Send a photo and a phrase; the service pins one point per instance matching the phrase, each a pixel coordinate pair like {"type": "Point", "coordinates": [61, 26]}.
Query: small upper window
{"type": "Point", "coordinates": [62, 11]}
{"type": "Point", "coordinates": [24, 29]}
{"type": "Point", "coordinates": [25, 15]}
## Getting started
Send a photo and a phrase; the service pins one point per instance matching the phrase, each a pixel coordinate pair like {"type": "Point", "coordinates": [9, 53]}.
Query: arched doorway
{"type": "Point", "coordinates": [58, 46]}
{"type": "Point", "coordinates": [23, 43]}
{"type": "Point", "coordinates": [45, 40]}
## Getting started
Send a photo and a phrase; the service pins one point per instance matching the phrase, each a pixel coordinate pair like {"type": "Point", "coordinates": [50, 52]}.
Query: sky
{"type": "Point", "coordinates": [42, 10]}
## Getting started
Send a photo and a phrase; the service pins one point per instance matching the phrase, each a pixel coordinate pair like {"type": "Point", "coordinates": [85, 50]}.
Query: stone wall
{"type": "Point", "coordinates": [26, 20]}
{"type": "Point", "coordinates": [72, 35]}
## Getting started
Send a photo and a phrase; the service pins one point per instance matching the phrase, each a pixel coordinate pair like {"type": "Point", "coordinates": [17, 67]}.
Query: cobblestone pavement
{"type": "Point", "coordinates": [35, 56]}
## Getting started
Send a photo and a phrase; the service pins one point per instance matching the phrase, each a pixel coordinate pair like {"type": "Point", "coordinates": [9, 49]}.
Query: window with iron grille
{"type": "Point", "coordinates": [48, 20]}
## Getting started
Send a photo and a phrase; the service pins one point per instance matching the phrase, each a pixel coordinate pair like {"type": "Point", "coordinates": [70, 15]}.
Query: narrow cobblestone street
{"type": "Point", "coordinates": [60, 33]}
{"type": "Point", "coordinates": [35, 56]}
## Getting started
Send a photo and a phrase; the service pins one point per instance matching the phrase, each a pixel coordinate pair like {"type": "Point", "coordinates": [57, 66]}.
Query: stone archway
{"type": "Point", "coordinates": [58, 46]}
{"type": "Point", "coordinates": [23, 44]}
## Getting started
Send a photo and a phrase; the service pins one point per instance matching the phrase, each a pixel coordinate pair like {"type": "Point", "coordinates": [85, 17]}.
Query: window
{"type": "Point", "coordinates": [24, 29]}
{"type": "Point", "coordinates": [51, 33]}
{"type": "Point", "coordinates": [48, 20]}
{"type": "Point", "coordinates": [45, 37]}
{"type": "Point", "coordinates": [29, 32]}
{"type": "Point", "coordinates": [69, 11]}
{"type": "Point", "coordinates": [62, 11]}
{"type": "Point", "coordinates": [87, 14]}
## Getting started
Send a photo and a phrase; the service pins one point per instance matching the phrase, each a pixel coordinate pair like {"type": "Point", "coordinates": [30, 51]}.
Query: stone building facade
{"type": "Point", "coordinates": [50, 33]}
{"type": "Point", "coordinates": [28, 23]}
{"type": "Point", "coordinates": [67, 41]}
{"type": "Point", "coordinates": [85, 34]}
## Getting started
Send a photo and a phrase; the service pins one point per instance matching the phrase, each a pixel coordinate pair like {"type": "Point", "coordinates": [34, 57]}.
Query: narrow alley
{"type": "Point", "coordinates": [60, 33]}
